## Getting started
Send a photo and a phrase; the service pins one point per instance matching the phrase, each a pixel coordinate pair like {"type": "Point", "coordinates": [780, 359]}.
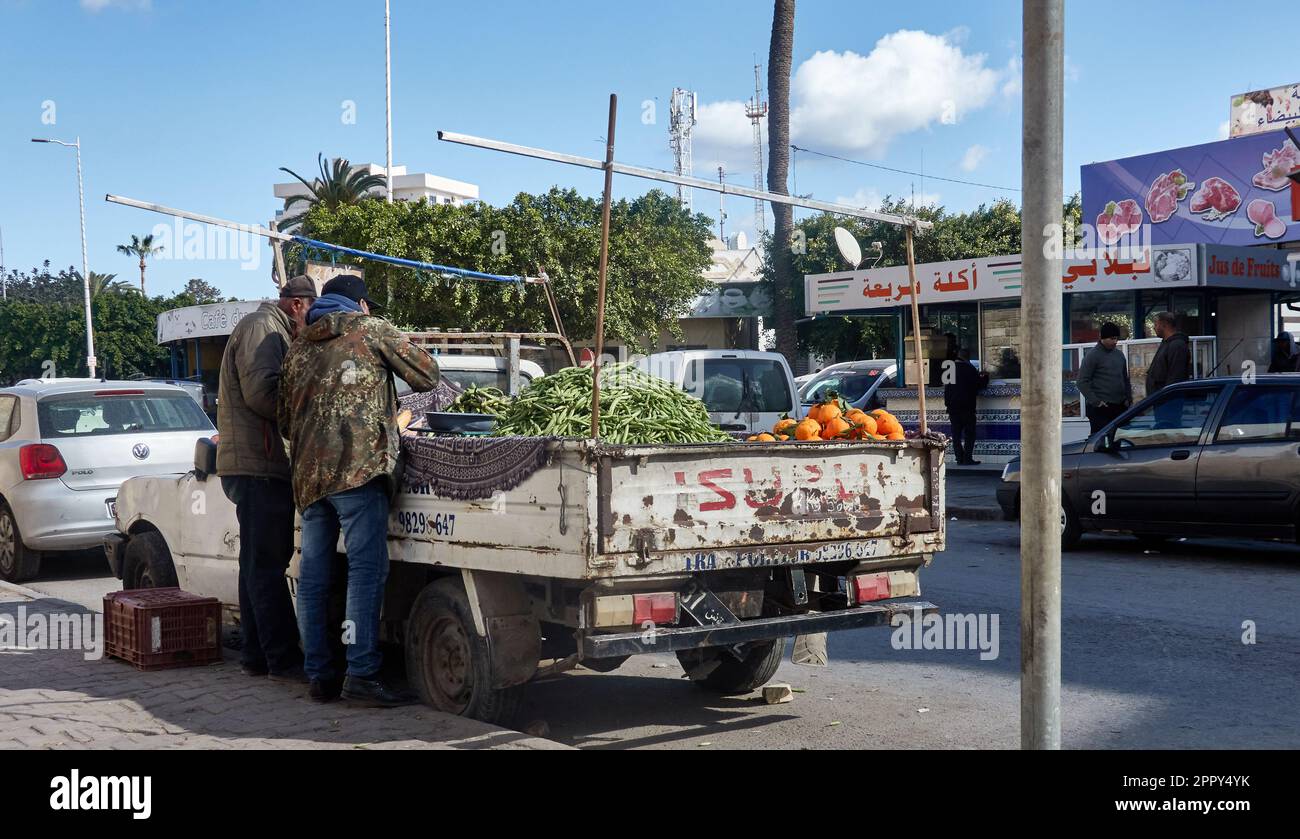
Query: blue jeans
{"type": "Point", "coordinates": [363, 514]}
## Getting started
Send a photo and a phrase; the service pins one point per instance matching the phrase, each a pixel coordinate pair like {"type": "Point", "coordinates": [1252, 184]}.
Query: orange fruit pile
{"type": "Point", "coordinates": [828, 420]}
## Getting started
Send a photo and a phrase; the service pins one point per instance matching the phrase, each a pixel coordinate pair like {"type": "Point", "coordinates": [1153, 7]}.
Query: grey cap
{"type": "Point", "coordinates": [299, 286]}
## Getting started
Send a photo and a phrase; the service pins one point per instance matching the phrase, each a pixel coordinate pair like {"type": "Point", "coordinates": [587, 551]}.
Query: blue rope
{"type": "Point", "coordinates": [407, 263]}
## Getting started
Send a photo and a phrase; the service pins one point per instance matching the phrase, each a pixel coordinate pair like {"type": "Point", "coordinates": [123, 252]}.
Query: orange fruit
{"type": "Point", "coordinates": [765, 438]}
{"type": "Point", "coordinates": [896, 435]}
{"type": "Point", "coordinates": [784, 425]}
{"type": "Point", "coordinates": [808, 429]}
{"type": "Point", "coordinates": [835, 428]}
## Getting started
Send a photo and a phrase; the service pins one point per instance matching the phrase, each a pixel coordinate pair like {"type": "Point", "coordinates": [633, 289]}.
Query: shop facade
{"type": "Point", "coordinates": [1224, 298]}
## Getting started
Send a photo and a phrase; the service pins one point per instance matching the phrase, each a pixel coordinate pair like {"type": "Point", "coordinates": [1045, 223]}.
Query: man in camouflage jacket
{"type": "Point", "coordinates": [337, 408]}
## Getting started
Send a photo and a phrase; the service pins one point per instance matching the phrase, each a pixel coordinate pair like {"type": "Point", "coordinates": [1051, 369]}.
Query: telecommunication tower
{"type": "Point", "coordinates": [756, 109]}
{"type": "Point", "coordinates": [681, 119]}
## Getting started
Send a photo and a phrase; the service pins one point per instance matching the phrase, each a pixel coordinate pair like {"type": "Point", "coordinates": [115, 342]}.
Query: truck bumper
{"type": "Point", "coordinates": [114, 548]}
{"type": "Point", "coordinates": [760, 629]}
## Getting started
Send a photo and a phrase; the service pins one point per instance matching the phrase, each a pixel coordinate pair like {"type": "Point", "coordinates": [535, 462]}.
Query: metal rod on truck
{"type": "Point", "coordinates": [1040, 430]}
{"type": "Point", "coordinates": [604, 265]}
{"type": "Point", "coordinates": [922, 425]}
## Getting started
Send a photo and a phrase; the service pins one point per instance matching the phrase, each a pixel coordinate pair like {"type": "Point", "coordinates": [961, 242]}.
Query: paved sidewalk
{"type": "Point", "coordinates": [55, 699]}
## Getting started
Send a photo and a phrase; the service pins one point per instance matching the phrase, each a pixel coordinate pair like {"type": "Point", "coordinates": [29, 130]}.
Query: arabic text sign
{"type": "Point", "coordinates": [733, 300]}
{"type": "Point", "coordinates": [992, 278]}
{"type": "Point", "coordinates": [1233, 192]}
{"type": "Point", "coordinates": [1264, 110]}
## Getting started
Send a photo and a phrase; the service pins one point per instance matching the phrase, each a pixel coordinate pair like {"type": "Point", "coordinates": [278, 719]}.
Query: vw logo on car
{"type": "Point", "coordinates": [140, 451]}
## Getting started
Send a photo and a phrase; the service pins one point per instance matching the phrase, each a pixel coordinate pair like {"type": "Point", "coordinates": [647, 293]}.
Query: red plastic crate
{"type": "Point", "coordinates": [160, 628]}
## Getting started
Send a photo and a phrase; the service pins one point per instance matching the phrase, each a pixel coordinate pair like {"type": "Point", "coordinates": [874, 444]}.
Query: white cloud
{"type": "Point", "coordinates": [1224, 130]}
{"type": "Point", "coordinates": [973, 157]}
{"type": "Point", "coordinates": [855, 104]}
{"type": "Point", "coordinates": [909, 81]}
{"type": "Point", "coordinates": [870, 198]}
{"type": "Point", "coordinates": [1013, 77]}
{"type": "Point", "coordinates": [127, 5]}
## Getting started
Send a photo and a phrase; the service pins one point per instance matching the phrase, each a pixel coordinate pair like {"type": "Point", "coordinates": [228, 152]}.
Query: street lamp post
{"type": "Point", "coordinates": [91, 362]}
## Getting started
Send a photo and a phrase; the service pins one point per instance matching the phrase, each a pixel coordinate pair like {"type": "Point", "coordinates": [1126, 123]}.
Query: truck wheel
{"type": "Point", "coordinates": [447, 661]}
{"type": "Point", "coordinates": [17, 561]}
{"type": "Point", "coordinates": [735, 676]}
{"type": "Point", "coordinates": [148, 562]}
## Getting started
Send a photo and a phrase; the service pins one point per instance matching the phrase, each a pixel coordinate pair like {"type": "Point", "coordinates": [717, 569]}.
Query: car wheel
{"type": "Point", "coordinates": [729, 675]}
{"type": "Point", "coordinates": [1071, 532]}
{"type": "Point", "coordinates": [17, 561]}
{"type": "Point", "coordinates": [148, 562]}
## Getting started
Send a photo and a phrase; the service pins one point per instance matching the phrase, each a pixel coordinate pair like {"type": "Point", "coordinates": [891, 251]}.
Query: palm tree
{"type": "Point", "coordinates": [143, 248]}
{"type": "Point", "coordinates": [338, 184]}
{"type": "Point", "coordinates": [780, 49]}
{"type": "Point", "coordinates": [101, 283]}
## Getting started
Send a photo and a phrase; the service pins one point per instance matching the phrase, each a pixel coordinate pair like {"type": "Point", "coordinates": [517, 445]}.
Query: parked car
{"type": "Point", "coordinates": [746, 391]}
{"type": "Point", "coordinates": [481, 371]}
{"type": "Point", "coordinates": [855, 381]}
{"type": "Point", "coordinates": [66, 445]}
{"type": "Point", "coordinates": [1210, 457]}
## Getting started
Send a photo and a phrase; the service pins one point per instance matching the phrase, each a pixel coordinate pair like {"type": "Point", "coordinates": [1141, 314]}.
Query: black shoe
{"type": "Point", "coordinates": [973, 462]}
{"type": "Point", "coordinates": [375, 694]}
{"type": "Point", "coordinates": [294, 676]}
{"type": "Point", "coordinates": [325, 690]}
{"type": "Point", "coordinates": [249, 670]}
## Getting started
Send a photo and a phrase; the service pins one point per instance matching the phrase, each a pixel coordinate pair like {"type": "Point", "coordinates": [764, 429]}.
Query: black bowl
{"type": "Point", "coordinates": [449, 423]}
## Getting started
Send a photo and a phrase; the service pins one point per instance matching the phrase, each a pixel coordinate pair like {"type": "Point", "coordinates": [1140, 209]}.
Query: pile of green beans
{"type": "Point", "coordinates": [635, 408]}
{"type": "Point", "coordinates": [480, 400]}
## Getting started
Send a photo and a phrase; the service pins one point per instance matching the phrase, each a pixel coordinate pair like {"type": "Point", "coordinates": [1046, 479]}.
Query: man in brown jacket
{"type": "Point", "coordinates": [338, 409]}
{"type": "Point", "coordinates": [254, 472]}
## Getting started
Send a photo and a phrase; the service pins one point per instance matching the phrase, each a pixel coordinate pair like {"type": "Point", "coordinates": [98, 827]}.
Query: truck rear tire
{"type": "Point", "coordinates": [448, 663]}
{"type": "Point", "coordinates": [148, 562]}
{"type": "Point", "coordinates": [736, 676]}
{"type": "Point", "coordinates": [18, 563]}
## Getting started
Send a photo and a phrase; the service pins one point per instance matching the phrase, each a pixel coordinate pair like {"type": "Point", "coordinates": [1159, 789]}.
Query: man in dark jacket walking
{"type": "Point", "coordinates": [1103, 379]}
{"type": "Point", "coordinates": [1173, 361]}
{"type": "Point", "coordinates": [254, 472]}
{"type": "Point", "coordinates": [962, 384]}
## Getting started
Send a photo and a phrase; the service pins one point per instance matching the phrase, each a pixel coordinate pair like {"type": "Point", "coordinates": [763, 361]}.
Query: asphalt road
{"type": "Point", "coordinates": [1152, 658]}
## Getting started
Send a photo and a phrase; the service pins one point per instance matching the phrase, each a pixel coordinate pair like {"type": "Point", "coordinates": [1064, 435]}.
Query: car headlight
{"type": "Point", "coordinates": [1011, 472]}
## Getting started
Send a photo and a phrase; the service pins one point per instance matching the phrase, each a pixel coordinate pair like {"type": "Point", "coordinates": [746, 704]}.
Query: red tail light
{"type": "Point", "coordinates": [656, 608]}
{"type": "Point", "coordinates": [40, 460]}
{"type": "Point", "coordinates": [869, 587]}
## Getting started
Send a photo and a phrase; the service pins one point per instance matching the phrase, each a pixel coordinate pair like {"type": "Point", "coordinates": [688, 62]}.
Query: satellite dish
{"type": "Point", "coordinates": [849, 247]}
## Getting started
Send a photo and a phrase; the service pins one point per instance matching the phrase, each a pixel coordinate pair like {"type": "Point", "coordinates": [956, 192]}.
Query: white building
{"type": "Point", "coordinates": [406, 187]}
{"type": "Point", "coordinates": [729, 315]}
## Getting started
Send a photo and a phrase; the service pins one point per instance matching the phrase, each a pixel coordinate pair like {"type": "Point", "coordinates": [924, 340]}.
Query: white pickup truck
{"type": "Point", "coordinates": [717, 552]}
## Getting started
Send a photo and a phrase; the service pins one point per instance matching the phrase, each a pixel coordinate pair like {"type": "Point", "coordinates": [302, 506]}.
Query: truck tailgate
{"type": "Point", "coordinates": [724, 496]}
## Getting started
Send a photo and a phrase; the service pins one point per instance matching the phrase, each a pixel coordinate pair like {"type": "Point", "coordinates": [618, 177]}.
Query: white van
{"type": "Point", "coordinates": [746, 391]}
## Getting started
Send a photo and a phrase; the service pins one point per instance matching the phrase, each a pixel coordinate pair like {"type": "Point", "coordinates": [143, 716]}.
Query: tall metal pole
{"type": "Point", "coordinates": [1040, 400]}
{"type": "Point", "coordinates": [91, 363]}
{"type": "Point", "coordinates": [85, 266]}
{"type": "Point", "coordinates": [388, 102]}
{"type": "Point", "coordinates": [604, 264]}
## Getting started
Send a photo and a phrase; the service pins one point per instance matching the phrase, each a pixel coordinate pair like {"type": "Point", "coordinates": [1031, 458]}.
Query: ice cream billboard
{"type": "Point", "coordinates": [1233, 192]}
{"type": "Point", "coordinates": [1264, 110]}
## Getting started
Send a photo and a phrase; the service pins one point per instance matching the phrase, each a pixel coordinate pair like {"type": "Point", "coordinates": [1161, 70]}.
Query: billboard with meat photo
{"type": "Point", "coordinates": [1233, 192]}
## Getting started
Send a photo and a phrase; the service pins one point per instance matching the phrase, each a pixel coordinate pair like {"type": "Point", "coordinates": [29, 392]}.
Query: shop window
{"type": "Point", "coordinates": [1090, 309]}
{"type": "Point", "coordinates": [1186, 306]}
{"type": "Point", "coordinates": [944, 330]}
{"type": "Point", "coordinates": [1001, 333]}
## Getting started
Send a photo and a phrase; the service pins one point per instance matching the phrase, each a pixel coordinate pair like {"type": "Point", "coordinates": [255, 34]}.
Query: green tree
{"type": "Point", "coordinates": [656, 262]}
{"type": "Point", "coordinates": [202, 291]}
{"type": "Point", "coordinates": [143, 248]}
{"type": "Point", "coordinates": [337, 185]}
{"type": "Point", "coordinates": [101, 284]}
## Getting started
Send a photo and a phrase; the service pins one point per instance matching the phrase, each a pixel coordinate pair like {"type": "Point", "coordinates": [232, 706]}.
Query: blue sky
{"type": "Point", "coordinates": [196, 104]}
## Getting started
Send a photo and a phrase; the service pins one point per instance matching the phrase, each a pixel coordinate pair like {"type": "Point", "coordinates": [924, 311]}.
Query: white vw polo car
{"type": "Point", "coordinates": [66, 445]}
